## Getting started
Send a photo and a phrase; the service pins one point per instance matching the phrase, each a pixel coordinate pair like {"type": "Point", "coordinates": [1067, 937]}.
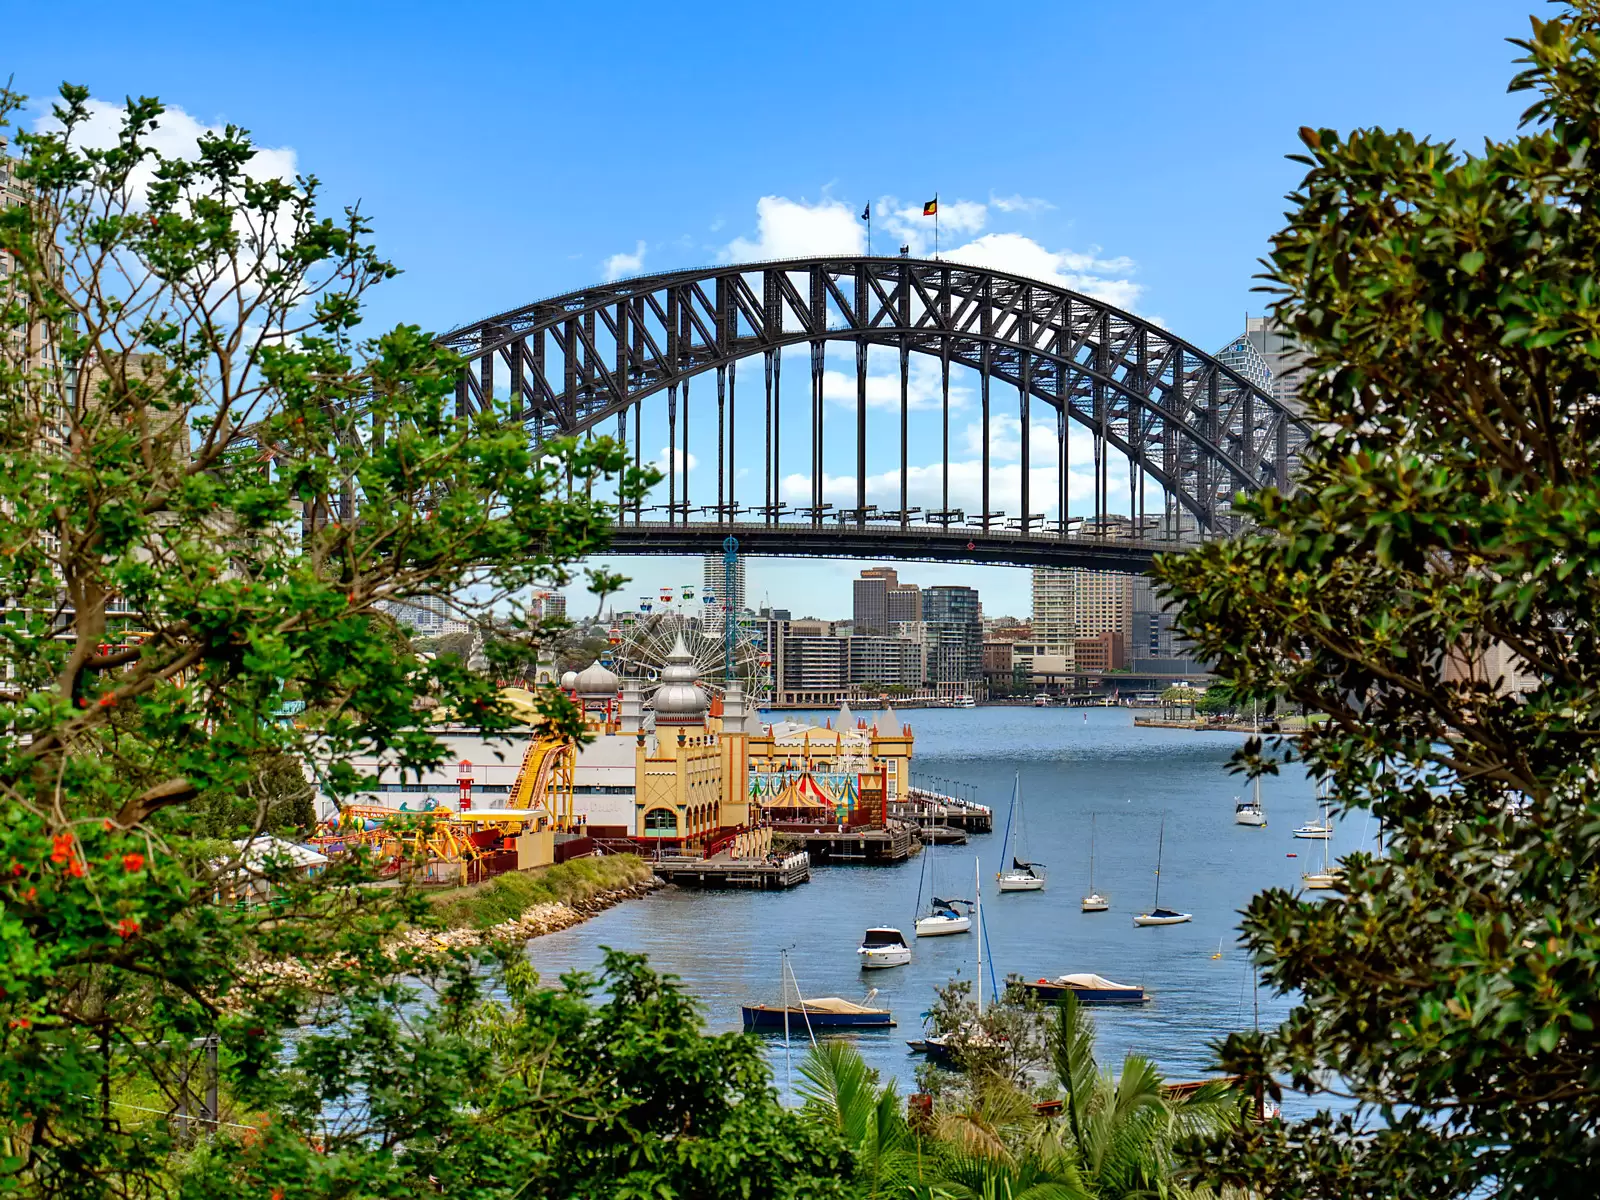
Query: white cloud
{"type": "Point", "coordinates": [667, 452]}
{"type": "Point", "coordinates": [176, 135]}
{"type": "Point", "coordinates": [788, 228]}
{"type": "Point", "coordinates": [923, 390]}
{"type": "Point", "coordinates": [623, 263]}
{"type": "Point", "coordinates": [1103, 278]}
{"type": "Point", "coordinates": [1016, 203]}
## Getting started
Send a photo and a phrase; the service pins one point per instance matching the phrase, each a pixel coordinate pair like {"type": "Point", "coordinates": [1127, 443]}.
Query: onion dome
{"type": "Point", "coordinates": [594, 682]}
{"type": "Point", "coordinates": [569, 680]}
{"type": "Point", "coordinates": [680, 700]}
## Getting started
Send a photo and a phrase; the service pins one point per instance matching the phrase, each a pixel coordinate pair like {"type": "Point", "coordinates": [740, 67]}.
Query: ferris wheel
{"type": "Point", "coordinates": [641, 641]}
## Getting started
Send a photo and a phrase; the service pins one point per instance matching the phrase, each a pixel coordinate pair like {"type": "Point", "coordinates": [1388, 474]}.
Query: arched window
{"type": "Point", "coordinates": [660, 820]}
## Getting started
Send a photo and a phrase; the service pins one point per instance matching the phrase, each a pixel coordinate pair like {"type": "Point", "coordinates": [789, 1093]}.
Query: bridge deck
{"type": "Point", "coordinates": [930, 543]}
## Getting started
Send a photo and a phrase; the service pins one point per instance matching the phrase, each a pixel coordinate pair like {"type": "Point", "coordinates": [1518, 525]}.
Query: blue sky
{"type": "Point", "coordinates": [508, 152]}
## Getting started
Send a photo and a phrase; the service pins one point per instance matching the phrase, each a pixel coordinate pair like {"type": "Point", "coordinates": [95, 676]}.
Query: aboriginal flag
{"type": "Point", "coordinates": [931, 207]}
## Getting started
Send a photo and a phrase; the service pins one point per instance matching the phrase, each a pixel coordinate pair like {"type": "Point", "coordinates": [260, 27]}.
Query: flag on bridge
{"type": "Point", "coordinates": [866, 213]}
{"type": "Point", "coordinates": [931, 208]}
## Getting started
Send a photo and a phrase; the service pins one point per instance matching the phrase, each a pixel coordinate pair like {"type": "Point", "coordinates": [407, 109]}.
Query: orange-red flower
{"type": "Point", "coordinates": [62, 848]}
{"type": "Point", "coordinates": [133, 862]}
{"type": "Point", "coordinates": [127, 927]}
{"type": "Point", "coordinates": [75, 869]}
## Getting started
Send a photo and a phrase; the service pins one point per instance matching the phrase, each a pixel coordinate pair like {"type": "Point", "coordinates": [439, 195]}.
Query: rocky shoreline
{"type": "Point", "coordinates": [530, 923]}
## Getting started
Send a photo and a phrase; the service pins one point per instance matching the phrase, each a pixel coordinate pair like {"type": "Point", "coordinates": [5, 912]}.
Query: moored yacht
{"type": "Point", "coordinates": [884, 947]}
{"type": "Point", "coordinates": [944, 918]}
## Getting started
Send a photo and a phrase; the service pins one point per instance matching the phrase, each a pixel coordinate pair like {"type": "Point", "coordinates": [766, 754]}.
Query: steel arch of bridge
{"type": "Point", "coordinates": [1199, 430]}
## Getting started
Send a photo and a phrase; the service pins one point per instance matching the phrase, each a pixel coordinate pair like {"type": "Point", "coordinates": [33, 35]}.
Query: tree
{"type": "Point", "coordinates": [1121, 1132]}
{"type": "Point", "coordinates": [211, 489]}
{"type": "Point", "coordinates": [841, 1094]}
{"type": "Point", "coordinates": [1429, 587]}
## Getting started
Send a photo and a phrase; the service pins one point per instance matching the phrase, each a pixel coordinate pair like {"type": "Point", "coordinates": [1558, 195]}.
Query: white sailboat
{"type": "Point", "coordinates": [1094, 901]}
{"type": "Point", "coordinates": [1021, 875]}
{"type": "Point", "coordinates": [944, 917]}
{"type": "Point", "coordinates": [1158, 915]}
{"type": "Point", "coordinates": [1250, 811]}
{"type": "Point", "coordinates": [1317, 830]}
{"type": "Point", "coordinates": [1328, 876]}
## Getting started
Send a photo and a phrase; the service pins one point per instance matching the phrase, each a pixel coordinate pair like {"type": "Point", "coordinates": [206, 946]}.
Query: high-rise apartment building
{"type": "Point", "coordinates": [1071, 603]}
{"type": "Point", "coordinates": [881, 601]}
{"type": "Point", "coordinates": [953, 619]}
{"type": "Point", "coordinates": [714, 582]}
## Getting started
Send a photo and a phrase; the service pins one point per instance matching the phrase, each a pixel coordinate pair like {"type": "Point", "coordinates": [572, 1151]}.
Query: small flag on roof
{"type": "Point", "coordinates": [866, 213]}
{"type": "Point", "coordinates": [931, 207]}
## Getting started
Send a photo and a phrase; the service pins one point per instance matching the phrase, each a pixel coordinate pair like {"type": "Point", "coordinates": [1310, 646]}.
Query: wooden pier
{"type": "Point", "coordinates": [930, 808]}
{"type": "Point", "coordinates": [853, 843]}
{"type": "Point", "coordinates": [758, 874]}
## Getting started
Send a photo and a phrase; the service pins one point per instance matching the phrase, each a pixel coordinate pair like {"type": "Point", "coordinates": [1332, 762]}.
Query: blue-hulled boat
{"type": "Point", "coordinates": [825, 1012]}
{"type": "Point", "coordinates": [1089, 989]}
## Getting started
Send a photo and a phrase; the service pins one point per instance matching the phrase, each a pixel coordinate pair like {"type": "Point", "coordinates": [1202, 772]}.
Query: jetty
{"type": "Point", "coordinates": [890, 843]}
{"type": "Point", "coordinates": [923, 808]}
{"type": "Point", "coordinates": [769, 874]}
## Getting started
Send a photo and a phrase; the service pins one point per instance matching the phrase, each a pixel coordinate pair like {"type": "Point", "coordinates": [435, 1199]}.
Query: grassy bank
{"type": "Point", "coordinates": [507, 896]}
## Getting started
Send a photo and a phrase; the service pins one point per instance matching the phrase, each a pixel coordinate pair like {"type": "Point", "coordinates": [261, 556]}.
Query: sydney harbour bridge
{"type": "Point", "coordinates": [1166, 434]}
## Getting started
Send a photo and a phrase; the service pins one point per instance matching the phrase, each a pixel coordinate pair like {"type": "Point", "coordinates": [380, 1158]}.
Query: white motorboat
{"type": "Point", "coordinates": [944, 919]}
{"type": "Point", "coordinates": [1094, 901]}
{"type": "Point", "coordinates": [1021, 875]}
{"type": "Point", "coordinates": [1042, 700]}
{"type": "Point", "coordinates": [1158, 915]}
{"type": "Point", "coordinates": [884, 947]}
{"type": "Point", "coordinates": [963, 702]}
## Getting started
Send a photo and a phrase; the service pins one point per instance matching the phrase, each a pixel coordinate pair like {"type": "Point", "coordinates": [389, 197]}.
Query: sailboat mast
{"type": "Point", "coordinates": [1161, 841]}
{"type": "Point", "coordinates": [977, 883]}
{"type": "Point", "coordinates": [1091, 853]}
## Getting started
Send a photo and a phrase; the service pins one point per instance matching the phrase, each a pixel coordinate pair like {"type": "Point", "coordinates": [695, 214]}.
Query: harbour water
{"type": "Point", "coordinates": [725, 946]}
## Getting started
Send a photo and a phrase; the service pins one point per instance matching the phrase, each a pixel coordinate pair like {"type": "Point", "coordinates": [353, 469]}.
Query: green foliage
{"type": "Point", "coordinates": [1121, 1131]}
{"type": "Point", "coordinates": [841, 1093]}
{"type": "Point", "coordinates": [549, 1093]}
{"type": "Point", "coordinates": [507, 896]}
{"type": "Point", "coordinates": [1443, 542]}
{"type": "Point", "coordinates": [211, 490]}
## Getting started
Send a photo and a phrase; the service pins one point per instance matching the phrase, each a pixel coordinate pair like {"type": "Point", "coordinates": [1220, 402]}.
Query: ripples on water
{"type": "Point", "coordinates": [724, 945]}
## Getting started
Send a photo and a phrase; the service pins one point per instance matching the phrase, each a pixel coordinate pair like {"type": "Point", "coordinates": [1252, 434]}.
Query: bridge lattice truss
{"type": "Point", "coordinates": [1185, 422]}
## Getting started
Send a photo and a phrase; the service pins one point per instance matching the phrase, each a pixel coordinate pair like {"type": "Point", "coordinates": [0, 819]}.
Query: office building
{"type": "Point", "coordinates": [953, 619]}
{"type": "Point", "coordinates": [1265, 346]}
{"type": "Point", "coordinates": [881, 601]}
{"type": "Point", "coordinates": [714, 582]}
{"type": "Point", "coordinates": [1101, 653]}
